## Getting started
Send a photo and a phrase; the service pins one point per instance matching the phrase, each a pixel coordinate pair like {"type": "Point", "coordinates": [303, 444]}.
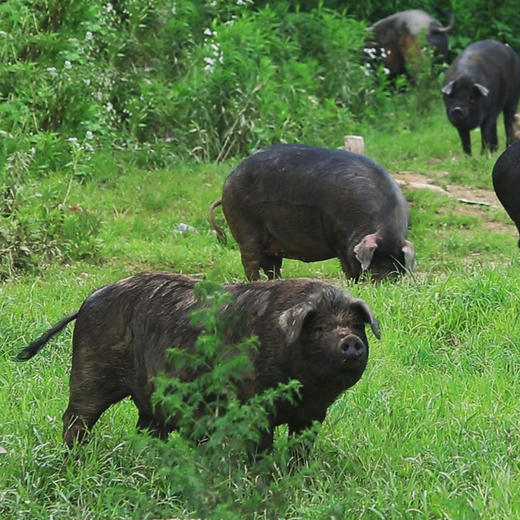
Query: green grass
{"type": "Point", "coordinates": [432, 429]}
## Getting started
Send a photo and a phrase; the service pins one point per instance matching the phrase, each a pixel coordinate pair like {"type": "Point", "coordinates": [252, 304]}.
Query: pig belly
{"type": "Point", "coordinates": [297, 232]}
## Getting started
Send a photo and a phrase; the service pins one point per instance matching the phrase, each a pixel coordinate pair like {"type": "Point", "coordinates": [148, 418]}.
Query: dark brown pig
{"type": "Point", "coordinates": [308, 330]}
{"type": "Point", "coordinates": [506, 181]}
{"type": "Point", "coordinates": [396, 39]}
{"type": "Point", "coordinates": [482, 81]}
{"type": "Point", "coordinates": [308, 203]}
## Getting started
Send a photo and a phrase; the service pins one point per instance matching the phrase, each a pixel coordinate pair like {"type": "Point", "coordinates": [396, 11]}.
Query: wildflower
{"type": "Point", "coordinates": [89, 36]}
{"type": "Point", "coordinates": [210, 64]}
{"type": "Point", "coordinates": [89, 134]}
{"type": "Point", "coordinates": [74, 141]}
{"type": "Point", "coordinates": [68, 64]}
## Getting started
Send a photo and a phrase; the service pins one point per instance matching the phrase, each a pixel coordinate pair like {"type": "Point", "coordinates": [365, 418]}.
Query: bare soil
{"type": "Point", "coordinates": [473, 201]}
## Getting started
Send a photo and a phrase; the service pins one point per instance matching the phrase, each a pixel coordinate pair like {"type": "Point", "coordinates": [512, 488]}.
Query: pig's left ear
{"type": "Point", "coordinates": [481, 89]}
{"type": "Point", "coordinates": [366, 313]}
{"type": "Point", "coordinates": [365, 249]}
{"type": "Point", "coordinates": [291, 321]}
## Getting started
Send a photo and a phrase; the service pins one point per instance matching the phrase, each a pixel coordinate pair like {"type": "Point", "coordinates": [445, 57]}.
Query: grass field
{"type": "Point", "coordinates": [431, 431]}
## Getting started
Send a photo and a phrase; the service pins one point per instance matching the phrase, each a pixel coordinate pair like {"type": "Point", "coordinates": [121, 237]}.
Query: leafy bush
{"type": "Point", "coordinates": [208, 462]}
{"type": "Point", "coordinates": [213, 80]}
{"type": "Point", "coordinates": [37, 228]}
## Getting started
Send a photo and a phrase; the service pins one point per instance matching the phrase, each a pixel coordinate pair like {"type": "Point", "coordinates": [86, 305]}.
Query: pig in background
{"type": "Point", "coordinates": [397, 39]}
{"type": "Point", "coordinates": [308, 330]}
{"type": "Point", "coordinates": [482, 81]}
{"type": "Point", "coordinates": [311, 204]}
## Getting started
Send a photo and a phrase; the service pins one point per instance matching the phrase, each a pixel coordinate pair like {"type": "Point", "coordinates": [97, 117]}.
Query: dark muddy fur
{"type": "Point", "coordinates": [310, 204]}
{"type": "Point", "coordinates": [506, 182]}
{"type": "Point", "coordinates": [308, 330]}
{"type": "Point", "coordinates": [482, 81]}
{"type": "Point", "coordinates": [399, 36]}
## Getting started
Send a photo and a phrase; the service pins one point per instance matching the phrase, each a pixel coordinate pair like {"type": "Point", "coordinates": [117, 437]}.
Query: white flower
{"type": "Point", "coordinates": [89, 134]}
{"type": "Point", "coordinates": [209, 32]}
{"type": "Point", "coordinates": [68, 64]}
{"type": "Point", "coordinates": [109, 107]}
{"type": "Point", "coordinates": [51, 69]}
{"type": "Point", "coordinates": [89, 36]}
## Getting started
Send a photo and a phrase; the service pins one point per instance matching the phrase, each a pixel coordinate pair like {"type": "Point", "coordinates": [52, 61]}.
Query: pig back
{"type": "Point", "coordinates": [317, 193]}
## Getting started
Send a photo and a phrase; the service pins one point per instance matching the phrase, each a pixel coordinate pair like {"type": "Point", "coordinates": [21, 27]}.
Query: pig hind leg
{"type": "Point", "coordinates": [252, 254]}
{"type": "Point", "coordinates": [91, 393]}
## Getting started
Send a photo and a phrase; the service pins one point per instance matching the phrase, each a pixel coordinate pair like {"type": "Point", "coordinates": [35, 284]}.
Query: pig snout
{"type": "Point", "coordinates": [352, 349]}
{"type": "Point", "coordinates": [457, 113]}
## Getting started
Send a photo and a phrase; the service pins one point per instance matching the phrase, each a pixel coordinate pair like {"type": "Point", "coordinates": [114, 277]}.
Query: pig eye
{"type": "Point", "coordinates": [318, 327]}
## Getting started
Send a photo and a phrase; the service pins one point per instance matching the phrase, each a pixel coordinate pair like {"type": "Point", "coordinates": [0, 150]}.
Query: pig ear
{"type": "Point", "coordinates": [364, 251]}
{"type": "Point", "coordinates": [409, 255]}
{"type": "Point", "coordinates": [368, 317]}
{"type": "Point", "coordinates": [482, 89]}
{"type": "Point", "coordinates": [448, 88]}
{"type": "Point", "coordinates": [291, 321]}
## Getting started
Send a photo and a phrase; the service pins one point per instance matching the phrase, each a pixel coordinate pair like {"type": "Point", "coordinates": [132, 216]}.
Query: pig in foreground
{"type": "Point", "coordinates": [506, 181]}
{"type": "Point", "coordinates": [310, 204]}
{"type": "Point", "coordinates": [482, 81]}
{"type": "Point", "coordinates": [396, 37]}
{"type": "Point", "coordinates": [308, 330]}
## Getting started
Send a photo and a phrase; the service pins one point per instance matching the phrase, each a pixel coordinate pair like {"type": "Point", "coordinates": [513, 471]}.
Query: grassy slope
{"type": "Point", "coordinates": [431, 431]}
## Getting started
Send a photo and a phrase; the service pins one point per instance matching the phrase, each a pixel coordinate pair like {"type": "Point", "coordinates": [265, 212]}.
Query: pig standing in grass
{"type": "Point", "coordinates": [482, 81]}
{"type": "Point", "coordinates": [308, 330]}
{"type": "Point", "coordinates": [506, 181]}
{"type": "Point", "coordinates": [308, 203]}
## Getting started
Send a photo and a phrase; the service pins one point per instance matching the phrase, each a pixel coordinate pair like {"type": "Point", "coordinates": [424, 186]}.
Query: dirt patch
{"type": "Point", "coordinates": [416, 180]}
{"type": "Point", "coordinates": [473, 201]}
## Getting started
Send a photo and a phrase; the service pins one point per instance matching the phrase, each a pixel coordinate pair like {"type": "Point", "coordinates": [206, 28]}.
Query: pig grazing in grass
{"type": "Point", "coordinates": [307, 330]}
{"type": "Point", "coordinates": [310, 204]}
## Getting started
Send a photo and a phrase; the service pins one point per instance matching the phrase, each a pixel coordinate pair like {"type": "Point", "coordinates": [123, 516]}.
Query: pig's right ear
{"type": "Point", "coordinates": [291, 321]}
{"type": "Point", "coordinates": [448, 88]}
{"type": "Point", "coordinates": [364, 251]}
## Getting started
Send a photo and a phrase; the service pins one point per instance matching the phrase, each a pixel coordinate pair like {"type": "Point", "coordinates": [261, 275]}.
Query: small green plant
{"type": "Point", "coordinates": [209, 461]}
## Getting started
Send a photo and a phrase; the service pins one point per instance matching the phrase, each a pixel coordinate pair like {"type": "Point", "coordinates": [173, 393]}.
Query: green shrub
{"type": "Point", "coordinates": [208, 462]}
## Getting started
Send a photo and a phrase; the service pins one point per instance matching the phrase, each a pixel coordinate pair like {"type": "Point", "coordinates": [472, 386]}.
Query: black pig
{"type": "Point", "coordinates": [308, 203]}
{"type": "Point", "coordinates": [482, 81]}
{"type": "Point", "coordinates": [308, 330]}
{"type": "Point", "coordinates": [506, 181]}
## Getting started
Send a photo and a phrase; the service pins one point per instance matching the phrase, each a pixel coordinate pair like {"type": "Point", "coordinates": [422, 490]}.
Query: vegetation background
{"type": "Point", "coordinates": [119, 121]}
